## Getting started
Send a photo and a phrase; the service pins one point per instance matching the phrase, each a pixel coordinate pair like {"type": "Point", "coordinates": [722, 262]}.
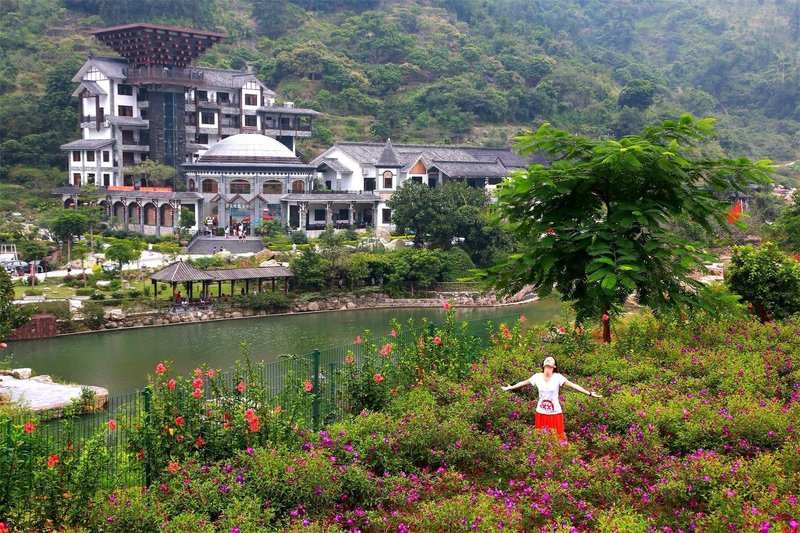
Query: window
{"type": "Point", "coordinates": [328, 184]}
{"type": "Point", "coordinates": [223, 98]}
{"type": "Point", "coordinates": [76, 156]}
{"type": "Point", "coordinates": [202, 96]}
{"type": "Point", "coordinates": [387, 216]}
{"type": "Point", "coordinates": [127, 137]}
{"type": "Point", "coordinates": [272, 187]}
{"type": "Point", "coordinates": [106, 179]}
{"type": "Point", "coordinates": [127, 158]}
{"type": "Point", "coordinates": [202, 138]}
{"type": "Point", "coordinates": [250, 99]}
{"type": "Point", "coordinates": [388, 179]}
{"type": "Point", "coordinates": [250, 121]}
{"type": "Point", "coordinates": [369, 184]}
{"type": "Point", "coordinates": [343, 214]}
{"type": "Point", "coordinates": [240, 187]}
{"type": "Point", "coordinates": [106, 156]}
{"type": "Point", "coordinates": [208, 118]}
{"type": "Point", "coordinates": [124, 89]}
{"type": "Point", "coordinates": [125, 110]}
{"type": "Point", "coordinates": [89, 156]}
{"type": "Point", "coordinates": [76, 179]}
{"type": "Point", "coordinates": [319, 215]}
{"type": "Point", "coordinates": [191, 185]}
{"type": "Point", "coordinates": [298, 186]}
{"type": "Point", "coordinates": [210, 186]}
{"type": "Point", "coordinates": [432, 182]}
{"type": "Point", "coordinates": [143, 114]}
{"type": "Point", "coordinates": [417, 179]}
{"type": "Point", "coordinates": [90, 178]}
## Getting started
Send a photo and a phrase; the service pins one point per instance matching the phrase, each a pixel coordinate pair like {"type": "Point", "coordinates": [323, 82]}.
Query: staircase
{"type": "Point", "coordinates": [206, 246]}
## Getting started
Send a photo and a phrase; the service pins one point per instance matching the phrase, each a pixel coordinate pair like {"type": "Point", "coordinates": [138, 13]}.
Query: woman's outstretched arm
{"type": "Point", "coordinates": [517, 385]}
{"type": "Point", "coordinates": [578, 388]}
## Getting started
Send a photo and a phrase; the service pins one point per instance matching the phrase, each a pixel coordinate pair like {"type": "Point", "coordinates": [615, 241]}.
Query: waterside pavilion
{"type": "Point", "coordinates": [180, 272]}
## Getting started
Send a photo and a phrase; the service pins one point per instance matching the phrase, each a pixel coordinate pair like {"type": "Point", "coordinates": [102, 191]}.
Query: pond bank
{"type": "Point", "coordinates": [41, 393]}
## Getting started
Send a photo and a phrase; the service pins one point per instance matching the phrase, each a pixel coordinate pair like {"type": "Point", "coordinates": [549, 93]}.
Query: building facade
{"type": "Point", "coordinates": [154, 103]}
{"type": "Point", "coordinates": [378, 170]}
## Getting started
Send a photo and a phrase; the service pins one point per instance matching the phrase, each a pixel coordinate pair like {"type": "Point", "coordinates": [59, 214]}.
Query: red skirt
{"type": "Point", "coordinates": [552, 423]}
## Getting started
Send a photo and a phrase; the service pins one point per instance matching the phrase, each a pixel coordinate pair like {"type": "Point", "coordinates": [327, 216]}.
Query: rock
{"type": "Point", "coordinates": [351, 305]}
{"type": "Point", "coordinates": [5, 396]}
{"type": "Point", "coordinates": [21, 373]}
{"type": "Point", "coordinates": [102, 283]}
{"type": "Point", "coordinates": [42, 379]}
{"type": "Point", "coordinates": [313, 306]}
{"type": "Point", "coordinates": [236, 314]}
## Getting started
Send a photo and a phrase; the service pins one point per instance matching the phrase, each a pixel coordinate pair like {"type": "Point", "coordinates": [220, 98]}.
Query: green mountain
{"type": "Point", "coordinates": [450, 71]}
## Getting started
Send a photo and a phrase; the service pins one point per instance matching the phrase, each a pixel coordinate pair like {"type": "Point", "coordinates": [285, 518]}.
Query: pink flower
{"type": "Point", "coordinates": [308, 386]}
{"type": "Point", "coordinates": [378, 378]}
{"type": "Point", "coordinates": [393, 333]}
{"type": "Point", "coordinates": [179, 421]}
{"type": "Point", "coordinates": [112, 424]}
{"type": "Point", "coordinates": [197, 383]}
{"type": "Point", "coordinates": [52, 461]}
{"type": "Point", "coordinates": [29, 427]}
{"type": "Point", "coordinates": [386, 349]}
{"type": "Point", "coordinates": [210, 373]}
{"type": "Point", "coordinates": [160, 368]}
{"type": "Point", "coordinates": [447, 306]}
{"type": "Point", "coordinates": [348, 358]}
{"type": "Point", "coordinates": [240, 386]}
{"type": "Point", "coordinates": [171, 384]}
{"type": "Point", "coordinates": [523, 319]}
{"type": "Point", "coordinates": [198, 392]}
{"type": "Point", "coordinates": [437, 340]}
{"type": "Point", "coordinates": [198, 373]}
{"type": "Point", "coordinates": [359, 340]}
{"type": "Point", "coordinates": [605, 317]}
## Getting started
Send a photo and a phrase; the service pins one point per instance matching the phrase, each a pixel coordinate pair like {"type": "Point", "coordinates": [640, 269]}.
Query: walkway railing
{"type": "Point", "coordinates": [104, 432]}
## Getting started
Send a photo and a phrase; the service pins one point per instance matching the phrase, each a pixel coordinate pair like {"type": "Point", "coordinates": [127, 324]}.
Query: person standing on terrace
{"type": "Point", "coordinates": [549, 382]}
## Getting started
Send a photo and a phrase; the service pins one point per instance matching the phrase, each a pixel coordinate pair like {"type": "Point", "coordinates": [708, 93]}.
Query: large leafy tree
{"type": "Point", "coordinates": [122, 252]}
{"type": "Point", "coordinates": [766, 279]}
{"type": "Point", "coordinates": [151, 171]}
{"type": "Point", "coordinates": [594, 225]}
{"type": "Point", "coordinates": [68, 224]}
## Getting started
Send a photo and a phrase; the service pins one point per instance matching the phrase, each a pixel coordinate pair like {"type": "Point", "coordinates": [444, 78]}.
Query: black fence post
{"type": "Point", "coordinates": [147, 393]}
{"type": "Point", "coordinates": [332, 388]}
{"type": "Point", "coordinates": [315, 401]}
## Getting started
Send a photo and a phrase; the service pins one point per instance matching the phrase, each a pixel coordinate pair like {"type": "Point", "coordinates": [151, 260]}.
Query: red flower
{"type": "Point", "coordinates": [173, 467]}
{"type": "Point", "coordinates": [226, 416]}
{"type": "Point", "coordinates": [254, 424]}
{"type": "Point", "coordinates": [447, 306]}
{"type": "Point", "coordinates": [523, 319]}
{"type": "Point", "coordinates": [506, 332]}
{"type": "Point", "coordinates": [140, 455]}
{"type": "Point", "coordinates": [386, 349]}
{"type": "Point", "coordinates": [227, 425]}
{"type": "Point", "coordinates": [4, 528]}
{"type": "Point", "coordinates": [240, 386]}
{"type": "Point", "coordinates": [197, 383]}
{"type": "Point", "coordinates": [171, 384]}
{"type": "Point", "coordinates": [29, 427]}
{"type": "Point", "coordinates": [198, 373]}
{"type": "Point", "coordinates": [52, 461]}
{"type": "Point", "coordinates": [308, 386]}
{"type": "Point", "coordinates": [359, 340]}
{"type": "Point", "coordinates": [160, 368]}
{"type": "Point", "coordinates": [112, 424]}
{"type": "Point", "coordinates": [199, 441]}
{"type": "Point", "coordinates": [378, 378]}
{"type": "Point", "coordinates": [179, 421]}
{"type": "Point", "coordinates": [198, 392]}
{"type": "Point", "coordinates": [393, 333]}
{"type": "Point", "coordinates": [210, 373]}
{"type": "Point", "coordinates": [348, 358]}
{"type": "Point", "coordinates": [437, 340]}
{"type": "Point", "coordinates": [249, 414]}
{"type": "Point", "coordinates": [605, 317]}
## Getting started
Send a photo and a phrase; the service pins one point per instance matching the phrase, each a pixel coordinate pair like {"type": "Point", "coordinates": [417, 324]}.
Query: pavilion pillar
{"type": "Point", "coordinates": [328, 214]}
{"type": "Point", "coordinates": [219, 289]}
{"type": "Point", "coordinates": [350, 213]}
{"type": "Point", "coordinates": [158, 219]}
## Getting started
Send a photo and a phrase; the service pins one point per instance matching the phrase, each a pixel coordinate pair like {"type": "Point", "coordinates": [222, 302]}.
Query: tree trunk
{"type": "Point", "coordinates": [606, 326]}
{"type": "Point", "coordinates": [69, 250]}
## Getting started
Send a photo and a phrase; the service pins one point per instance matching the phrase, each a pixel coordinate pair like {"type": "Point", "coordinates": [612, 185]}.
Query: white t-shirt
{"type": "Point", "coordinates": [548, 392]}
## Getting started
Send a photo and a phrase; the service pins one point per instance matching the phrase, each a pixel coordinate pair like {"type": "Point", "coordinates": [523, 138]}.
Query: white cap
{"type": "Point", "coordinates": [549, 361]}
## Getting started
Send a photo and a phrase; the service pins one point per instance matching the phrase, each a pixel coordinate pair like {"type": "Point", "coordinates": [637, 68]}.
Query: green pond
{"type": "Point", "coordinates": [121, 360]}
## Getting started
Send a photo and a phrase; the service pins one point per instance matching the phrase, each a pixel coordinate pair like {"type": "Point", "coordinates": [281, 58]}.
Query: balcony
{"type": "Point", "coordinates": [134, 147]}
{"type": "Point", "coordinates": [164, 75]}
{"type": "Point", "coordinates": [274, 130]}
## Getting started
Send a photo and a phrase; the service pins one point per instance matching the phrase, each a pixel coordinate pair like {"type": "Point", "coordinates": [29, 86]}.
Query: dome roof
{"type": "Point", "coordinates": [249, 148]}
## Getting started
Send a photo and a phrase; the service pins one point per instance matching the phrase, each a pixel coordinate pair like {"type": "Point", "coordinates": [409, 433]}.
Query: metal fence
{"type": "Point", "coordinates": [85, 422]}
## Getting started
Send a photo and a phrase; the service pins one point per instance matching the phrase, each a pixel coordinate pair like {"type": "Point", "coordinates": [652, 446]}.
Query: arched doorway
{"type": "Point", "coordinates": [167, 216]}
{"type": "Point", "coordinates": [149, 214]}
{"type": "Point", "coordinates": [298, 186]}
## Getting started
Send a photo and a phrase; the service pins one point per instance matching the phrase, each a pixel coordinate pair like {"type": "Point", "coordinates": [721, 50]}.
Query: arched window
{"type": "Point", "coordinates": [166, 215]}
{"type": "Point", "coordinates": [191, 186]}
{"type": "Point", "coordinates": [210, 186]}
{"type": "Point", "coordinates": [240, 187]}
{"type": "Point", "coordinates": [149, 214]}
{"type": "Point", "coordinates": [298, 186]}
{"type": "Point", "coordinates": [273, 187]}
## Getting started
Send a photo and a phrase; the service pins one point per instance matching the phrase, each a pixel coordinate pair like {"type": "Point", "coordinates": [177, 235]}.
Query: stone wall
{"type": "Point", "coordinates": [39, 327]}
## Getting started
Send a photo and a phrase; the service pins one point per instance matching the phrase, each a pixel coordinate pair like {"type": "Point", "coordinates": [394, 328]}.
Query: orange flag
{"type": "Point", "coordinates": [733, 214]}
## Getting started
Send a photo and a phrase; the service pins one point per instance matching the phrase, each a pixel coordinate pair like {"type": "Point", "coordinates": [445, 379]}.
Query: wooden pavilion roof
{"type": "Point", "coordinates": [180, 272]}
{"type": "Point", "coordinates": [152, 44]}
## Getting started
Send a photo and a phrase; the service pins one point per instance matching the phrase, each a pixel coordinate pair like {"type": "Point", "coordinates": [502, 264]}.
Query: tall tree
{"type": "Point", "coordinates": [68, 224]}
{"type": "Point", "coordinates": [12, 316]}
{"type": "Point", "coordinates": [122, 252]}
{"type": "Point", "coordinates": [594, 224]}
{"type": "Point", "coordinates": [151, 170]}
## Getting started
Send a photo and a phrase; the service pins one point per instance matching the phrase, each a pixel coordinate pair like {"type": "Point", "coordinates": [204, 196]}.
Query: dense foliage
{"type": "Point", "coordinates": [593, 225]}
{"type": "Point", "coordinates": [696, 432]}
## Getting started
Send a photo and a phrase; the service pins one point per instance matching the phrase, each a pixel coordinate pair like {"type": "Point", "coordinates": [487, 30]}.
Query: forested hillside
{"type": "Point", "coordinates": [450, 71]}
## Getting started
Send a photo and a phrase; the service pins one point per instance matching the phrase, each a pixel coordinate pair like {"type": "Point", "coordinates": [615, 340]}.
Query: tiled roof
{"type": "Point", "coordinates": [409, 154]}
{"type": "Point", "coordinates": [179, 272]}
{"type": "Point", "coordinates": [227, 274]}
{"type": "Point", "coordinates": [91, 87]}
{"type": "Point", "coordinates": [87, 144]}
{"type": "Point", "coordinates": [112, 67]}
{"type": "Point", "coordinates": [388, 158]}
{"type": "Point", "coordinates": [334, 165]}
{"type": "Point", "coordinates": [229, 79]}
{"type": "Point", "coordinates": [471, 169]}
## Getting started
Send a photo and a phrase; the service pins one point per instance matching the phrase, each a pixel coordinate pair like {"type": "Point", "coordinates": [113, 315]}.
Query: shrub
{"type": "Point", "coordinates": [34, 292]}
{"type": "Point", "coordinates": [59, 309]}
{"type": "Point", "coordinates": [94, 315]}
{"type": "Point", "coordinates": [298, 237]}
{"type": "Point", "coordinates": [85, 291]}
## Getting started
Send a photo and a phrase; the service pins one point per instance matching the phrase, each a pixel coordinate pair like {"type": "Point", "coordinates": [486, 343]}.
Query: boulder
{"type": "Point", "coordinates": [21, 373]}
{"type": "Point", "coordinates": [313, 306]}
{"type": "Point", "coordinates": [42, 379]}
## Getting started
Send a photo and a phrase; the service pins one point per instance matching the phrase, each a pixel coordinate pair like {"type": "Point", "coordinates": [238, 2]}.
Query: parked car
{"type": "Point", "coordinates": [39, 266]}
{"type": "Point", "coordinates": [16, 267]}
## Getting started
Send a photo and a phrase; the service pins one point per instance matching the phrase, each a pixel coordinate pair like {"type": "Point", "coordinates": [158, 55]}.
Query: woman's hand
{"type": "Point", "coordinates": [593, 394]}
{"type": "Point", "coordinates": [506, 387]}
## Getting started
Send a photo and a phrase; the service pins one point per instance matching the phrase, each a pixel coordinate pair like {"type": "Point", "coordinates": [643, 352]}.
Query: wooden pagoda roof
{"type": "Point", "coordinates": [179, 272]}
{"type": "Point", "coordinates": [152, 44]}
